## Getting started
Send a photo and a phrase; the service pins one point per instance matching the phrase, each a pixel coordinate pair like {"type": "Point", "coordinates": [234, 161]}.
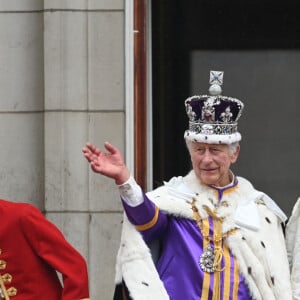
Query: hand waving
{"type": "Point", "coordinates": [110, 164]}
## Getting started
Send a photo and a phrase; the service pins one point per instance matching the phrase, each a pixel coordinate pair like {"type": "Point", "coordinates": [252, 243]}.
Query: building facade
{"type": "Point", "coordinates": [73, 71]}
{"type": "Point", "coordinates": [62, 78]}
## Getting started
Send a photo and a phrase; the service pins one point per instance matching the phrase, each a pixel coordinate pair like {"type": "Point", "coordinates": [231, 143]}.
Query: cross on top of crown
{"type": "Point", "coordinates": [216, 77]}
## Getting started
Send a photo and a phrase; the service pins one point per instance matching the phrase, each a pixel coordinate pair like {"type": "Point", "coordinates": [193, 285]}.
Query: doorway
{"type": "Point", "coordinates": [256, 44]}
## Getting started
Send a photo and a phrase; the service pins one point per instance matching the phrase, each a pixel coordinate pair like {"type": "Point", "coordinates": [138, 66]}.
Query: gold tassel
{"type": "Point", "coordinates": [218, 254]}
{"type": "Point", "coordinates": [217, 288]}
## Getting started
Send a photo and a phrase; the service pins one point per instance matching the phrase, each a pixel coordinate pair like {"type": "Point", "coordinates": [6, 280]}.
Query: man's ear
{"type": "Point", "coordinates": [235, 155]}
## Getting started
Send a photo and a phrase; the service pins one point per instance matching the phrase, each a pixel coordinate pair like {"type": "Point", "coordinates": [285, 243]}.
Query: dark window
{"type": "Point", "coordinates": [256, 43]}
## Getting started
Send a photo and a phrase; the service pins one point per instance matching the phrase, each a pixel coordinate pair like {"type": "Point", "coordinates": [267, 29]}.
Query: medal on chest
{"type": "Point", "coordinates": [207, 259]}
{"type": "Point", "coordinates": [211, 258]}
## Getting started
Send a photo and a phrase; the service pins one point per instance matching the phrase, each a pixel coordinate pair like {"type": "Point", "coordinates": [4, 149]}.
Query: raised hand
{"type": "Point", "coordinates": [110, 164]}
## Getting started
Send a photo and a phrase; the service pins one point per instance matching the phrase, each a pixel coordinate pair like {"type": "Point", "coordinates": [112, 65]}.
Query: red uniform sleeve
{"type": "Point", "coordinates": [50, 244]}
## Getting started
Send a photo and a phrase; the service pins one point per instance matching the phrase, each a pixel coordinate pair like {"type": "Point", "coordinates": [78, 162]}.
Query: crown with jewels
{"type": "Point", "coordinates": [213, 118]}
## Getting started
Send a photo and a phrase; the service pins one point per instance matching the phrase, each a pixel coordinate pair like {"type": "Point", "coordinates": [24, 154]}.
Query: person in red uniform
{"type": "Point", "coordinates": [32, 251]}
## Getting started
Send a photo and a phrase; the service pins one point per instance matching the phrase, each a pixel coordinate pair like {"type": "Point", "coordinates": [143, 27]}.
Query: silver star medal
{"type": "Point", "coordinates": [207, 260]}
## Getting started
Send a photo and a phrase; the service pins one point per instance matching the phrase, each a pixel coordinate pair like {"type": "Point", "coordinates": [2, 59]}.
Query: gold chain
{"type": "Point", "coordinates": [196, 216]}
{"type": "Point", "coordinates": [217, 239]}
{"type": "Point", "coordinates": [218, 236]}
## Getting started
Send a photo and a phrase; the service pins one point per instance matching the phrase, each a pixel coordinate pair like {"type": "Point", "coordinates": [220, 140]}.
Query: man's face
{"type": "Point", "coordinates": [211, 162]}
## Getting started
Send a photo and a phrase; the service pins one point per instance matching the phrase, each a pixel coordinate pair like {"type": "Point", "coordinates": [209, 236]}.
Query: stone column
{"type": "Point", "coordinates": [84, 101]}
{"type": "Point", "coordinates": [22, 102]}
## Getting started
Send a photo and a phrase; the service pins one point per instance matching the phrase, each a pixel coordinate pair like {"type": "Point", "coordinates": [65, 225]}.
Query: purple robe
{"type": "Point", "coordinates": [182, 245]}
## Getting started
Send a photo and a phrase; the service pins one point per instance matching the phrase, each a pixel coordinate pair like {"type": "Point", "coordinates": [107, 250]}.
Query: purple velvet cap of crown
{"type": "Point", "coordinates": [219, 104]}
{"type": "Point", "coordinates": [213, 119]}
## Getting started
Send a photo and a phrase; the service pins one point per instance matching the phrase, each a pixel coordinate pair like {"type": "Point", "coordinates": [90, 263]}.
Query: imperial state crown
{"type": "Point", "coordinates": [213, 118]}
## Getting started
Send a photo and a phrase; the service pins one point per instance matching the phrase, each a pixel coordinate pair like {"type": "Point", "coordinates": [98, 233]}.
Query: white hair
{"type": "Point", "coordinates": [232, 147]}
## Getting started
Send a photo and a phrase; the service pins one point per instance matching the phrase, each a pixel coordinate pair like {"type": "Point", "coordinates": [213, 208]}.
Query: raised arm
{"type": "Point", "coordinates": [140, 210]}
{"type": "Point", "coordinates": [110, 163]}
